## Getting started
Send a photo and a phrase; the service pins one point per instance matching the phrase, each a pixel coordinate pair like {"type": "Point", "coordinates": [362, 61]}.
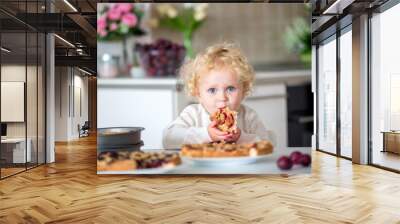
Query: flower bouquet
{"type": "Point", "coordinates": [118, 21]}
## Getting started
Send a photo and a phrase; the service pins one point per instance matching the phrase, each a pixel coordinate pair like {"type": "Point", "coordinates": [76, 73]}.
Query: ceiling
{"type": "Point", "coordinates": [76, 26]}
{"type": "Point", "coordinates": [328, 16]}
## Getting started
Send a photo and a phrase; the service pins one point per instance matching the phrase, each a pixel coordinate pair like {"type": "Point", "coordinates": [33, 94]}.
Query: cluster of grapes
{"type": "Point", "coordinates": [295, 158]}
{"type": "Point", "coordinates": [161, 58]}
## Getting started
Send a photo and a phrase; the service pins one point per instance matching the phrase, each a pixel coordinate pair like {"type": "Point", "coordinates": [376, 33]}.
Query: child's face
{"type": "Point", "coordinates": [219, 88]}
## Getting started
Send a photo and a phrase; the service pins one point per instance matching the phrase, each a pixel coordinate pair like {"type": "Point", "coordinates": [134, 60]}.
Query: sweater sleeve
{"type": "Point", "coordinates": [255, 130]}
{"type": "Point", "coordinates": [183, 130]}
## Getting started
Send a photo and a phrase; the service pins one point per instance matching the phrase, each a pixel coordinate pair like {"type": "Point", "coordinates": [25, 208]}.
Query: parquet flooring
{"type": "Point", "coordinates": [69, 191]}
{"type": "Point", "coordinates": [9, 171]}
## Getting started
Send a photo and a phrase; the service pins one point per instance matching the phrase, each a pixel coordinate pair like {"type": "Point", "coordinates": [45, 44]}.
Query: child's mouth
{"type": "Point", "coordinates": [221, 105]}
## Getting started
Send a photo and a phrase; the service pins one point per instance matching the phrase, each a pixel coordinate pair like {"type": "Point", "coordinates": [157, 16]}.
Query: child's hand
{"type": "Point", "coordinates": [215, 134]}
{"type": "Point", "coordinates": [233, 137]}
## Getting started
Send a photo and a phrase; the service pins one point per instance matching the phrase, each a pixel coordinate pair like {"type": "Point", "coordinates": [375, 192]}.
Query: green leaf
{"type": "Point", "coordinates": [197, 24]}
{"type": "Point", "coordinates": [298, 36]}
{"type": "Point", "coordinates": [123, 28]}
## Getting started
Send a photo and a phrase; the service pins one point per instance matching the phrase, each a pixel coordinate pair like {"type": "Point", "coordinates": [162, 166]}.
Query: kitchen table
{"type": "Point", "coordinates": [265, 166]}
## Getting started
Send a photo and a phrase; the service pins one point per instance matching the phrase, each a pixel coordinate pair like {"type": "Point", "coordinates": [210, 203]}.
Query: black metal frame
{"type": "Point", "coordinates": [338, 98]}
{"type": "Point", "coordinates": [44, 77]}
{"type": "Point", "coordinates": [369, 115]}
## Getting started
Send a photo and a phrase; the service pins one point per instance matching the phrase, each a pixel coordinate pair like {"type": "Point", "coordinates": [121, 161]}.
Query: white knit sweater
{"type": "Point", "coordinates": [190, 127]}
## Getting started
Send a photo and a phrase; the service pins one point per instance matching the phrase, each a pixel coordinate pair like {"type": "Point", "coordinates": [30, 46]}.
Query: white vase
{"type": "Point", "coordinates": [137, 72]}
{"type": "Point", "coordinates": [107, 66]}
{"type": "Point", "coordinates": [113, 48]}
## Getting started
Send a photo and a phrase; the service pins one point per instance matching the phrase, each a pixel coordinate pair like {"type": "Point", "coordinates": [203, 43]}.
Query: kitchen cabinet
{"type": "Point", "coordinates": [149, 103]}
{"type": "Point", "coordinates": [269, 101]}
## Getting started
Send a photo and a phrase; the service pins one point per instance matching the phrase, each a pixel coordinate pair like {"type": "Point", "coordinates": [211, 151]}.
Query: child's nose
{"type": "Point", "coordinates": [222, 95]}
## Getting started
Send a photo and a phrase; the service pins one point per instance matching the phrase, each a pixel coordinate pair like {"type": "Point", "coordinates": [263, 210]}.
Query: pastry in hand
{"type": "Point", "coordinates": [226, 119]}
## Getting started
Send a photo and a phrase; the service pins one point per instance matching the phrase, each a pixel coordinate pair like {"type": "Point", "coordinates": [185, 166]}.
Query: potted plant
{"type": "Point", "coordinates": [298, 40]}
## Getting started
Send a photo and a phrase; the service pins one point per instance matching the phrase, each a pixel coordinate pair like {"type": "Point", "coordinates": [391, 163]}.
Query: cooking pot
{"type": "Point", "coordinates": [116, 137]}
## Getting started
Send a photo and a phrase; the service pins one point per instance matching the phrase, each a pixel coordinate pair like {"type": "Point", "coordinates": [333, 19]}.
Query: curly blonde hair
{"type": "Point", "coordinates": [223, 55]}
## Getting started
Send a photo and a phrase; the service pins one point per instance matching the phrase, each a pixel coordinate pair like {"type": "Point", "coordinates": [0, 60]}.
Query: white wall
{"type": "Point", "coordinates": [61, 103]}
{"type": "Point", "coordinates": [79, 117]}
{"type": "Point", "coordinates": [70, 83]}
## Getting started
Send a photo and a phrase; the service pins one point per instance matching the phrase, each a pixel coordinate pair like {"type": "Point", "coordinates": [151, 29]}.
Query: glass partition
{"type": "Point", "coordinates": [13, 107]}
{"type": "Point", "coordinates": [22, 77]}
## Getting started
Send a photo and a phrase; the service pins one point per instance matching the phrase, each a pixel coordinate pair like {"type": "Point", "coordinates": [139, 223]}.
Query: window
{"type": "Point", "coordinates": [346, 93]}
{"type": "Point", "coordinates": [385, 88]}
{"type": "Point", "coordinates": [327, 96]}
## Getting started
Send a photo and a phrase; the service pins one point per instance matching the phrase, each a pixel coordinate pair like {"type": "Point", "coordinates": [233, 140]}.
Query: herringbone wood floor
{"type": "Point", "coordinates": [69, 191]}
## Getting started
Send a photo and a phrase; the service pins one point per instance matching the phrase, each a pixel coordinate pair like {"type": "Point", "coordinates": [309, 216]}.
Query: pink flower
{"type": "Point", "coordinates": [129, 19]}
{"type": "Point", "coordinates": [113, 26]}
{"type": "Point", "coordinates": [114, 14]}
{"type": "Point", "coordinates": [102, 33]}
{"type": "Point", "coordinates": [101, 23]}
{"type": "Point", "coordinates": [124, 7]}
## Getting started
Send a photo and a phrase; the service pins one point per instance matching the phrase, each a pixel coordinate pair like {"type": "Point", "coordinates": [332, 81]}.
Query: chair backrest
{"type": "Point", "coordinates": [86, 125]}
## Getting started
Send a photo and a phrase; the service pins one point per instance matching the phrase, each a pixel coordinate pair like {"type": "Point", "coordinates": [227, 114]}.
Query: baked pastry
{"type": "Point", "coordinates": [226, 119]}
{"type": "Point", "coordinates": [226, 149]}
{"type": "Point", "coordinates": [116, 161]}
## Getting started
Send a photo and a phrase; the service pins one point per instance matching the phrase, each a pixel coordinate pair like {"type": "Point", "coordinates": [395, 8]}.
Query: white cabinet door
{"type": "Point", "coordinates": [152, 109]}
{"type": "Point", "coordinates": [269, 101]}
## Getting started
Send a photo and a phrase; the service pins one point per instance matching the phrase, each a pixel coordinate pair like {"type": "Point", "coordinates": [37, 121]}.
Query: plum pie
{"type": "Point", "coordinates": [115, 161]}
{"type": "Point", "coordinates": [215, 150]}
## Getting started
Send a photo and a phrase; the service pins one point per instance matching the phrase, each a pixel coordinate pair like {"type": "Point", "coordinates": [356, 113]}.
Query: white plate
{"type": "Point", "coordinates": [220, 161]}
{"type": "Point", "coordinates": [139, 171]}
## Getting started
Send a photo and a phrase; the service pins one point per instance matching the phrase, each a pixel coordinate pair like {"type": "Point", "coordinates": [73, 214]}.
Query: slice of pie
{"type": "Point", "coordinates": [226, 149]}
{"type": "Point", "coordinates": [226, 119]}
{"type": "Point", "coordinates": [116, 161]}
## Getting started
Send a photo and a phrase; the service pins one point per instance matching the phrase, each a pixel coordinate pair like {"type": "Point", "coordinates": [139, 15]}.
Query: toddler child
{"type": "Point", "coordinates": [219, 77]}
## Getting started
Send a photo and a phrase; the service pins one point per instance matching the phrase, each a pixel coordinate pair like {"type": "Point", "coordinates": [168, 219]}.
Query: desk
{"type": "Point", "coordinates": [15, 148]}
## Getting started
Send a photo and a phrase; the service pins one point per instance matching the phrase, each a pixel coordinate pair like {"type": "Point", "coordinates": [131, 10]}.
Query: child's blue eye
{"type": "Point", "coordinates": [230, 89]}
{"type": "Point", "coordinates": [212, 90]}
